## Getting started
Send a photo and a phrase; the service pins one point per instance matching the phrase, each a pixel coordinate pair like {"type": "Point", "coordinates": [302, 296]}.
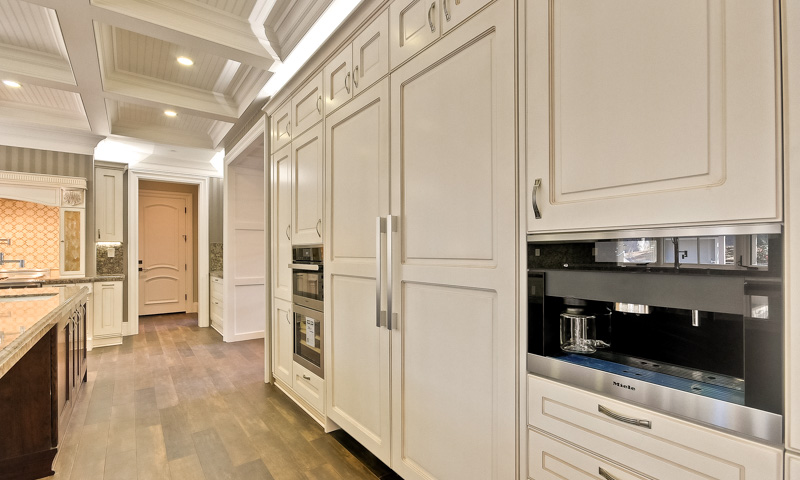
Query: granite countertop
{"type": "Point", "coordinates": [216, 273]}
{"type": "Point", "coordinates": [73, 280]}
{"type": "Point", "coordinates": [27, 314]}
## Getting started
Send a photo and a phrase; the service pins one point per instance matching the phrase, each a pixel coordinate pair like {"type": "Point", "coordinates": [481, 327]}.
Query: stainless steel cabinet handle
{"type": "Point", "coordinates": [319, 104]}
{"type": "Point", "coordinates": [355, 77]}
{"type": "Point", "coordinates": [380, 229]}
{"type": "Point", "coordinates": [391, 227]}
{"type": "Point", "coordinates": [319, 222]}
{"type": "Point", "coordinates": [603, 473]}
{"type": "Point", "coordinates": [346, 82]}
{"type": "Point", "coordinates": [306, 377]}
{"type": "Point", "coordinates": [446, 11]}
{"type": "Point", "coordinates": [536, 185]}
{"type": "Point", "coordinates": [622, 418]}
{"type": "Point", "coordinates": [430, 19]}
{"type": "Point", "coordinates": [287, 232]}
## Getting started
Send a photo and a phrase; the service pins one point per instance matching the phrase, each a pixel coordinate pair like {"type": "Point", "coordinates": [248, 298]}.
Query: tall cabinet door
{"type": "Point", "coordinates": [357, 357]}
{"type": "Point", "coordinates": [651, 113]}
{"type": "Point", "coordinates": [454, 255]}
{"type": "Point", "coordinates": [307, 187]}
{"type": "Point", "coordinates": [108, 204]}
{"type": "Point", "coordinates": [282, 340]}
{"type": "Point", "coordinates": [281, 227]}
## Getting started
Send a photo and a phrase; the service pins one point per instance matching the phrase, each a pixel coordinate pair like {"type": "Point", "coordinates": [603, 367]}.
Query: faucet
{"type": "Point", "coordinates": [3, 261]}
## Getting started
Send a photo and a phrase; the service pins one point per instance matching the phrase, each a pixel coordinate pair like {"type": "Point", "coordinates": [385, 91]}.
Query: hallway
{"type": "Point", "coordinates": [175, 402]}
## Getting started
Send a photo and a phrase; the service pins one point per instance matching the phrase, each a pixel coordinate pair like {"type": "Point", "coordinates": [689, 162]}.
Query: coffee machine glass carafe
{"type": "Point", "coordinates": [577, 332]}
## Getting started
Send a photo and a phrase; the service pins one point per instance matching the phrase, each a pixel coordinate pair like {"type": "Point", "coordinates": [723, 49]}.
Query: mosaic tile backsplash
{"type": "Point", "coordinates": [34, 232]}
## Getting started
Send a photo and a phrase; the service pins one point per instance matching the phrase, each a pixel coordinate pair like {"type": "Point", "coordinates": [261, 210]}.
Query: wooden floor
{"type": "Point", "coordinates": [175, 402]}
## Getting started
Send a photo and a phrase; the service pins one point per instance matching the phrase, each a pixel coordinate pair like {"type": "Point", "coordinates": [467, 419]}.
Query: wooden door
{"type": "Point", "coordinates": [307, 105]}
{"type": "Point", "coordinates": [651, 113]}
{"type": "Point", "coordinates": [338, 78]}
{"type": "Point", "coordinates": [307, 187]}
{"type": "Point", "coordinates": [454, 255]}
{"type": "Point", "coordinates": [282, 340]}
{"type": "Point", "coordinates": [163, 252]}
{"type": "Point", "coordinates": [357, 185]}
{"type": "Point", "coordinates": [371, 54]}
{"type": "Point", "coordinates": [413, 25]}
{"type": "Point", "coordinates": [282, 220]}
{"type": "Point", "coordinates": [456, 11]}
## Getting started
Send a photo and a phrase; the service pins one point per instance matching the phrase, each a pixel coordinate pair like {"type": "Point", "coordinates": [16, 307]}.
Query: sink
{"type": "Point", "coordinates": [24, 274]}
{"type": "Point", "coordinates": [27, 298]}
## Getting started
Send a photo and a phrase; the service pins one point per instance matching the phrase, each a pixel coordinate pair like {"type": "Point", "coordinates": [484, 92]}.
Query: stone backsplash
{"type": "Point", "coordinates": [215, 257]}
{"type": "Point", "coordinates": [110, 265]}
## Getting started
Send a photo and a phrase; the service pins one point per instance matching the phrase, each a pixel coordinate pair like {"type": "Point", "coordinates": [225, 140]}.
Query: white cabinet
{"type": "Point", "coordinates": [669, 448]}
{"type": "Point", "coordinates": [792, 467]}
{"type": "Point", "coordinates": [108, 203]}
{"type": "Point", "coordinates": [281, 167]}
{"type": "Point", "coordinates": [358, 65]}
{"type": "Point", "coordinates": [309, 387]}
{"type": "Point", "coordinates": [107, 321]}
{"type": "Point", "coordinates": [307, 187]}
{"type": "Point", "coordinates": [281, 127]}
{"type": "Point", "coordinates": [648, 113]}
{"type": "Point", "coordinates": [216, 309]}
{"type": "Point", "coordinates": [357, 350]}
{"type": "Point", "coordinates": [282, 341]}
{"type": "Point", "coordinates": [307, 106]}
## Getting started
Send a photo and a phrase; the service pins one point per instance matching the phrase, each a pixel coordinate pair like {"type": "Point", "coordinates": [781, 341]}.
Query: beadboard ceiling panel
{"type": "Point", "coordinates": [31, 27]}
{"type": "Point", "coordinates": [43, 97]}
{"type": "Point", "coordinates": [240, 8]}
{"type": "Point", "coordinates": [131, 113]}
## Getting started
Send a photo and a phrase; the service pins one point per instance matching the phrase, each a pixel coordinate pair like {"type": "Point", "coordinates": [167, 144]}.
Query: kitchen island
{"type": "Point", "coordinates": [42, 368]}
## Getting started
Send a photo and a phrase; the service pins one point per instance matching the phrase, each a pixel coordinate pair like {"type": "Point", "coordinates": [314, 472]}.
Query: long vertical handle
{"type": "Point", "coordinates": [536, 185]}
{"type": "Point", "coordinates": [380, 229]}
{"type": "Point", "coordinates": [391, 227]}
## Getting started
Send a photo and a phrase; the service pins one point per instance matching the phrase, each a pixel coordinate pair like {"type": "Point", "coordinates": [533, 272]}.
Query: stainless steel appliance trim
{"type": "Point", "coordinates": [311, 303]}
{"type": "Point", "coordinates": [380, 229]}
{"type": "Point", "coordinates": [737, 419]}
{"type": "Point", "coordinates": [689, 231]}
{"type": "Point", "coordinates": [636, 308]}
{"type": "Point", "coordinates": [622, 418]}
{"type": "Point", "coordinates": [305, 267]}
{"type": "Point", "coordinates": [317, 315]}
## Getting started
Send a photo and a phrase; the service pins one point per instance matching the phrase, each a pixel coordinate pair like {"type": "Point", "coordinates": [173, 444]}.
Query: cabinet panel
{"type": "Point", "coordinates": [282, 341]}
{"type": "Point", "coordinates": [309, 386]}
{"type": "Point", "coordinates": [549, 459]}
{"type": "Point", "coordinates": [456, 11]}
{"type": "Point", "coordinates": [282, 218]}
{"type": "Point", "coordinates": [371, 54]}
{"type": "Point", "coordinates": [357, 357]}
{"type": "Point", "coordinates": [107, 309]}
{"type": "Point", "coordinates": [73, 242]}
{"type": "Point", "coordinates": [452, 321]}
{"type": "Point", "coordinates": [338, 78]}
{"type": "Point", "coordinates": [671, 448]}
{"type": "Point", "coordinates": [108, 204]}
{"type": "Point", "coordinates": [792, 467]}
{"type": "Point", "coordinates": [307, 106]}
{"type": "Point", "coordinates": [281, 131]}
{"type": "Point", "coordinates": [413, 24]}
{"type": "Point", "coordinates": [307, 187]}
{"type": "Point", "coordinates": [627, 127]}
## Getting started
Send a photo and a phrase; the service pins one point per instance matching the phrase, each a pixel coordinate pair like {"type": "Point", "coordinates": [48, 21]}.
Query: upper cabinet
{"type": "Point", "coordinates": [108, 202]}
{"type": "Point", "coordinates": [307, 106]}
{"type": "Point", "coordinates": [650, 114]}
{"type": "Point", "coordinates": [281, 131]}
{"type": "Point", "coordinates": [282, 223]}
{"type": "Point", "coordinates": [413, 24]}
{"type": "Point", "coordinates": [358, 65]}
{"type": "Point", "coordinates": [307, 187]}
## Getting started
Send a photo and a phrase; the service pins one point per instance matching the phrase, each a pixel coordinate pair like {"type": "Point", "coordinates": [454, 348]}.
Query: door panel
{"type": "Point", "coordinates": [307, 105]}
{"type": "Point", "coordinates": [282, 204]}
{"type": "Point", "coordinates": [371, 54]}
{"type": "Point", "coordinates": [282, 127]}
{"type": "Point", "coordinates": [162, 248]}
{"type": "Point", "coordinates": [454, 273]}
{"type": "Point", "coordinates": [283, 331]}
{"type": "Point", "coordinates": [307, 187]}
{"type": "Point", "coordinates": [413, 24]}
{"type": "Point", "coordinates": [357, 358]}
{"type": "Point", "coordinates": [338, 78]}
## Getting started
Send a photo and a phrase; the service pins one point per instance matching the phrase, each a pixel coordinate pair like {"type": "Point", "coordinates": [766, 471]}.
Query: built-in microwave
{"type": "Point", "coordinates": [686, 322]}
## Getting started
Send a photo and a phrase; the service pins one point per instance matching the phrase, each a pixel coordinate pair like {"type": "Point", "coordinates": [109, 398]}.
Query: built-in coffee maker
{"type": "Point", "coordinates": [687, 322]}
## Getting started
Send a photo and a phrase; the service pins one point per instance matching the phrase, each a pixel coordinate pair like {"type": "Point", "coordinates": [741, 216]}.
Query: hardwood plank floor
{"type": "Point", "coordinates": [175, 402]}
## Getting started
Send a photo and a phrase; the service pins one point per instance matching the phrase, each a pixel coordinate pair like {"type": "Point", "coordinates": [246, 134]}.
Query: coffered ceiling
{"type": "Point", "coordinates": [90, 69]}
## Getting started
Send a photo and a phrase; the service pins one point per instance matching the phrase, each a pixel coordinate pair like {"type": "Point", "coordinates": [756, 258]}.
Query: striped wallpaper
{"type": "Point", "coordinates": [215, 210]}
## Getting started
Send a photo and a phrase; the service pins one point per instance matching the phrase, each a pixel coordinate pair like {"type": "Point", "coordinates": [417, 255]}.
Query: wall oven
{"type": "Point", "coordinates": [689, 322]}
{"type": "Point", "coordinates": [307, 299]}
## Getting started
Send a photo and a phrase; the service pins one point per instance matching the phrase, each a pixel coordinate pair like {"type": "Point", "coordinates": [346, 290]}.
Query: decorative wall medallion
{"type": "Point", "coordinates": [72, 198]}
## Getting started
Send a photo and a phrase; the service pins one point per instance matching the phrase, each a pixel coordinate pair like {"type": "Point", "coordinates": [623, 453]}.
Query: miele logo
{"type": "Point", "coordinates": [621, 385]}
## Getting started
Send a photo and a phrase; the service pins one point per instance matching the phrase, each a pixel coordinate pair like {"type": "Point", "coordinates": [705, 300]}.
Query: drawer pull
{"type": "Point", "coordinates": [603, 473]}
{"type": "Point", "coordinates": [622, 418]}
{"type": "Point", "coordinates": [306, 377]}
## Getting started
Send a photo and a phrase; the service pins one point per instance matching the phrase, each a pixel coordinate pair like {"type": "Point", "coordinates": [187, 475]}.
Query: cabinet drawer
{"type": "Point", "coordinates": [550, 459]}
{"type": "Point", "coordinates": [216, 310]}
{"type": "Point", "coordinates": [670, 443]}
{"type": "Point", "coordinates": [309, 386]}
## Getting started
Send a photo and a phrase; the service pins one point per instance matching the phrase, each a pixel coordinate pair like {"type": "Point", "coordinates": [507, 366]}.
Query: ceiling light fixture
{"type": "Point", "coordinates": [170, 113]}
{"type": "Point", "coordinates": [11, 83]}
{"type": "Point", "coordinates": [185, 61]}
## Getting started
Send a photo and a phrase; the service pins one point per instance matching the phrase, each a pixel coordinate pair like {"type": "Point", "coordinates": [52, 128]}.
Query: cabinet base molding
{"type": "Point", "coordinates": [30, 466]}
{"type": "Point", "coordinates": [216, 326]}
{"type": "Point", "coordinates": [106, 341]}
{"type": "Point", "coordinates": [311, 411]}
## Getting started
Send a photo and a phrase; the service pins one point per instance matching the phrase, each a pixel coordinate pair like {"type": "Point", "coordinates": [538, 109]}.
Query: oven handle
{"type": "Point", "coordinates": [306, 267]}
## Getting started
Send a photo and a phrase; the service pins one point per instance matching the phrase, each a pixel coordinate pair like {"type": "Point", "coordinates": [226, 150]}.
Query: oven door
{"type": "Point", "coordinates": [308, 337]}
{"type": "Point", "coordinates": [307, 286]}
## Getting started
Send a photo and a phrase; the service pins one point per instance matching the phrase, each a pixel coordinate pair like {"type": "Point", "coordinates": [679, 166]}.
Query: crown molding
{"type": "Point", "coordinates": [42, 180]}
{"type": "Point", "coordinates": [35, 64]}
{"type": "Point", "coordinates": [48, 138]}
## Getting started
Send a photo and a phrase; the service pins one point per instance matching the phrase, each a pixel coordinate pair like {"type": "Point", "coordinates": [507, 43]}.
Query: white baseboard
{"type": "Point", "coordinates": [106, 341]}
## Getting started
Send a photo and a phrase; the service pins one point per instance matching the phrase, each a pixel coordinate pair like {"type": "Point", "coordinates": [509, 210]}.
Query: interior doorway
{"type": "Point", "coordinates": [168, 253]}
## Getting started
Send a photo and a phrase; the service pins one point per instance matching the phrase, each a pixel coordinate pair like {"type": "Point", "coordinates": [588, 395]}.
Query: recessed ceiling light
{"type": "Point", "coordinates": [185, 61]}
{"type": "Point", "coordinates": [170, 113]}
{"type": "Point", "coordinates": [11, 83]}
